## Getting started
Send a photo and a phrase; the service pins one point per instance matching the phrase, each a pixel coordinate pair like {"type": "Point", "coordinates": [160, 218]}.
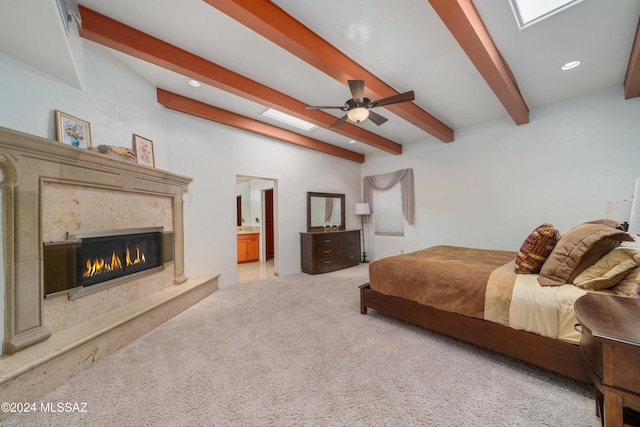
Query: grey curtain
{"type": "Point", "coordinates": [328, 209]}
{"type": "Point", "coordinates": [385, 182]}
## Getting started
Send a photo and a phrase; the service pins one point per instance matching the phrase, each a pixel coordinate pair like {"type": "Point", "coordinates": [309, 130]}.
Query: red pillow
{"type": "Point", "coordinates": [536, 248]}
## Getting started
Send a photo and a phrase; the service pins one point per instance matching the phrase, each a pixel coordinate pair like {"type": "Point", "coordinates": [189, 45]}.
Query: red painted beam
{"type": "Point", "coordinates": [116, 35]}
{"type": "Point", "coordinates": [208, 112]}
{"type": "Point", "coordinates": [268, 20]}
{"type": "Point", "coordinates": [464, 22]}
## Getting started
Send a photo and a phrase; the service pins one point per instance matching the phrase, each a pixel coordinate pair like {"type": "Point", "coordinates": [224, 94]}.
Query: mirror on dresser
{"type": "Point", "coordinates": [325, 211]}
{"type": "Point", "coordinates": [327, 245]}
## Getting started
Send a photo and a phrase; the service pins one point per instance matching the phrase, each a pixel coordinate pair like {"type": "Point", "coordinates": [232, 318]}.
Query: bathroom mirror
{"type": "Point", "coordinates": [325, 210]}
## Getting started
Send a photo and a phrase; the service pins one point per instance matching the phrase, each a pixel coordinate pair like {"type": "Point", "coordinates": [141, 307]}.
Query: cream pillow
{"type": "Point", "coordinates": [630, 285]}
{"type": "Point", "coordinates": [609, 270]}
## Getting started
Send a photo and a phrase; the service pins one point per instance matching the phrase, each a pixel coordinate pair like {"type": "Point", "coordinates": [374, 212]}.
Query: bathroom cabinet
{"type": "Point", "coordinates": [248, 247]}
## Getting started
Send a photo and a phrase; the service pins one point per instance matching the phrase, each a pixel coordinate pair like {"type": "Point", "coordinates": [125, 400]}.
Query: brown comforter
{"type": "Point", "coordinates": [449, 278]}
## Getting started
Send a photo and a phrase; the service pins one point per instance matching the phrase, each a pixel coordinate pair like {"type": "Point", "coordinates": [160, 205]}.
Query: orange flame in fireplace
{"type": "Point", "coordinates": [138, 259]}
{"type": "Point", "coordinates": [99, 266]}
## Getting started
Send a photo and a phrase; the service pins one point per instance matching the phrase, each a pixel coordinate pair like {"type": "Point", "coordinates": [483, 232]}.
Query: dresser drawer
{"type": "Point", "coordinates": [351, 248]}
{"type": "Point", "coordinates": [327, 263]}
{"type": "Point", "coordinates": [326, 244]}
{"type": "Point", "coordinates": [351, 259]}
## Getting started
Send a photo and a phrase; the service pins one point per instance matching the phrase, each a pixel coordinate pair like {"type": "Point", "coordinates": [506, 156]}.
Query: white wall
{"type": "Point", "coordinates": [117, 102]}
{"type": "Point", "coordinates": [497, 181]}
{"type": "Point", "coordinates": [214, 155]}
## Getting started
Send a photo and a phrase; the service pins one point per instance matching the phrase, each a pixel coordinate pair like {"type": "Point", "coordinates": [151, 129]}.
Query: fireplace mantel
{"type": "Point", "coordinates": [29, 164]}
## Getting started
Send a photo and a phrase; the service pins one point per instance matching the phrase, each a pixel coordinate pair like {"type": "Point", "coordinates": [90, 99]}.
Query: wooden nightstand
{"type": "Point", "coordinates": [610, 346]}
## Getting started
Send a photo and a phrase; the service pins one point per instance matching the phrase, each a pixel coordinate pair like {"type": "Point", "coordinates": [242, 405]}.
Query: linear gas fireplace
{"type": "Point", "coordinates": [102, 257]}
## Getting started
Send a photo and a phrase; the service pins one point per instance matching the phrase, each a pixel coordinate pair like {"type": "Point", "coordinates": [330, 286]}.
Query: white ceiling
{"type": "Point", "coordinates": [402, 42]}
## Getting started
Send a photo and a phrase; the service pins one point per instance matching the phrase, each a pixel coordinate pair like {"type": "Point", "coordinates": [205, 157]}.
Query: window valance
{"type": "Point", "coordinates": [385, 182]}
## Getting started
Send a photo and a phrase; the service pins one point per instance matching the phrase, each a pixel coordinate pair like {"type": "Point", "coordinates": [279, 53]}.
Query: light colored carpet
{"type": "Point", "coordinates": [295, 351]}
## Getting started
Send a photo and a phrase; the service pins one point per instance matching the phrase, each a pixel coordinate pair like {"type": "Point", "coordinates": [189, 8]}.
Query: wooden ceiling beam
{"type": "Point", "coordinates": [632, 78]}
{"type": "Point", "coordinates": [199, 109]}
{"type": "Point", "coordinates": [268, 20]}
{"type": "Point", "coordinates": [116, 35]}
{"type": "Point", "coordinates": [464, 23]}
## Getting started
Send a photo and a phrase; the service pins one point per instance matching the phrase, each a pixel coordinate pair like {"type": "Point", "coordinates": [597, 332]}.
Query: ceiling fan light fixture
{"type": "Point", "coordinates": [358, 114]}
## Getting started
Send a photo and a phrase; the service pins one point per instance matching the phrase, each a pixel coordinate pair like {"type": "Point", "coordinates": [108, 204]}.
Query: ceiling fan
{"type": "Point", "coordinates": [358, 108]}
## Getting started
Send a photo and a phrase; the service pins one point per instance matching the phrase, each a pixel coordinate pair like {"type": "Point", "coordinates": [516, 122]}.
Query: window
{"type": "Point", "coordinates": [528, 12]}
{"type": "Point", "coordinates": [387, 212]}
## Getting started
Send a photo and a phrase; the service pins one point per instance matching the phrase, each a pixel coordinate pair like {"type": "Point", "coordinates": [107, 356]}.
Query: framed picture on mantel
{"type": "Point", "coordinates": [144, 150]}
{"type": "Point", "coordinates": [73, 131]}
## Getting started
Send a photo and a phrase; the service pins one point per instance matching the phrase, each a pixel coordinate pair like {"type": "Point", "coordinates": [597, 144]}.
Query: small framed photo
{"type": "Point", "coordinates": [73, 131]}
{"type": "Point", "coordinates": [144, 150]}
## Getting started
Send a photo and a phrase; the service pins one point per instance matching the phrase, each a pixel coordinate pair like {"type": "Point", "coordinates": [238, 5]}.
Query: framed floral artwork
{"type": "Point", "coordinates": [73, 131]}
{"type": "Point", "coordinates": [144, 150]}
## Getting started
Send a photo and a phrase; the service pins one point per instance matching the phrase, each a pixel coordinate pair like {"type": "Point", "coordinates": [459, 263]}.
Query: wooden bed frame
{"type": "Point", "coordinates": [557, 356]}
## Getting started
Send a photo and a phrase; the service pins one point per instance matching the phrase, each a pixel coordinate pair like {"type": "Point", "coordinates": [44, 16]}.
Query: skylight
{"type": "Point", "coordinates": [288, 119]}
{"type": "Point", "coordinates": [570, 65]}
{"type": "Point", "coordinates": [528, 12]}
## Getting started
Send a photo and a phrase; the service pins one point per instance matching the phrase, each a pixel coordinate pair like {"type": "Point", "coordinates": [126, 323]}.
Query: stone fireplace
{"type": "Point", "coordinates": [58, 202]}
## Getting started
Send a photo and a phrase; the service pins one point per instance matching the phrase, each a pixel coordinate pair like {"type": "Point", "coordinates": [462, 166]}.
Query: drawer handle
{"type": "Point", "coordinates": [327, 252]}
{"type": "Point", "coordinates": [578, 328]}
{"type": "Point", "coordinates": [328, 241]}
{"type": "Point", "coordinates": [327, 262]}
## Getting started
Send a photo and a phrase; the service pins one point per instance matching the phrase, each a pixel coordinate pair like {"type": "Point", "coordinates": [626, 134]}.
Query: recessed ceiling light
{"type": "Point", "coordinates": [288, 119]}
{"type": "Point", "coordinates": [570, 65]}
{"type": "Point", "coordinates": [194, 83]}
{"type": "Point", "coordinates": [352, 141]}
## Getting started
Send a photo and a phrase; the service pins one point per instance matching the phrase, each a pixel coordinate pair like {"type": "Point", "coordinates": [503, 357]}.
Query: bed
{"type": "Point", "coordinates": [516, 303]}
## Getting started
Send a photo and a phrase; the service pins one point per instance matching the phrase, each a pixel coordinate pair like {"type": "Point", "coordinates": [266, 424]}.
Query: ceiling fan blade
{"type": "Point", "coordinates": [395, 99]}
{"type": "Point", "coordinates": [376, 118]}
{"type": "Point", "coordinates": [323, 107]}
{"type": "Point", "coordinates": [339, 122]}
{"type": "Point", "coordinates": [357, 89]}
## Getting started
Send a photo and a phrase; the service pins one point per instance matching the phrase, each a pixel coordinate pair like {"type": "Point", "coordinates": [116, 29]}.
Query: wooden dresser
{"type": "Point", "coordinates": [329, 251]}
{"type": "Point", "coordinates": [610, 346]}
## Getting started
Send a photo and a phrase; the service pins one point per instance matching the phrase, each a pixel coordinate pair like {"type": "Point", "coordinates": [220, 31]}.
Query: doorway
{"type": "Point", "coordinates": [268, 224]}
{"type": "Point", "coordinates": [257, 213]}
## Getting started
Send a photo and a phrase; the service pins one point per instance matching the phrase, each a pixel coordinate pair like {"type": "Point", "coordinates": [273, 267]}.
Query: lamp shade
{"type": "Point", "coordinates": [362, 209]}
{"type": "Point", "coordinates": [619, 211]}
{"type": "Point", "coordinates": [634, 221]}
{"type": "Point", "coordinates": [358, 114]}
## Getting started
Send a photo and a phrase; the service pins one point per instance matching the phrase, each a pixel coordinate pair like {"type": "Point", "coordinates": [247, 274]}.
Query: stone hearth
{"type": "Point", "coordinates": [48, 190]}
